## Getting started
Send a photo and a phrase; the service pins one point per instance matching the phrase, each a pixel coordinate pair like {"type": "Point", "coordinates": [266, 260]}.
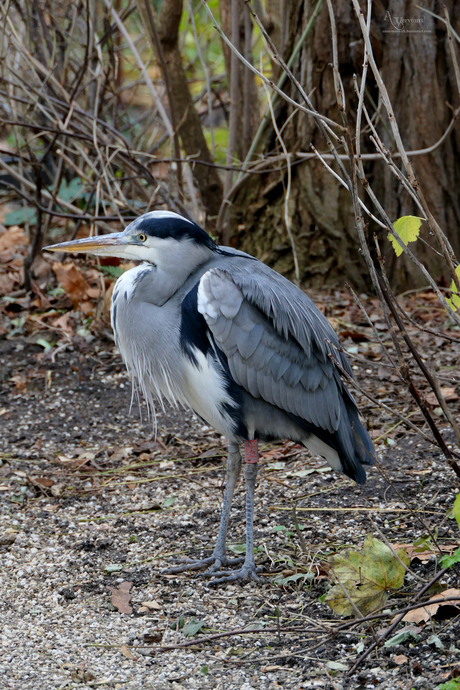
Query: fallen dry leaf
{"type": "Point", "coordinates": [19, 382]}
{"type": "Point", "coordinates": [44, 481]}
{"type": "Point", "coordinates": [120, 454]}
{"type": "Point", "coordinates": [63, 323]}
{"type": "Point", "coordinates": [72, 282]}
{"type": "Point", "coordinates": [400, 659]}
{"type": "Point", "coordinates": [121, 597]}
{"type": "Point", "coordinates": [7, 281]}
{"type": "Point", "coordinates": [127, 653]}
{"type": "Point", "coordinates": [153, 605]}
{"type": "Point", "coordinates": [13, 237]}
{"type": "Point", "coordinates": [419, 552]}
{"type": "Point", "coordinates": [425, 612]}
{"type": "Point", "coordinates": [449, 395]}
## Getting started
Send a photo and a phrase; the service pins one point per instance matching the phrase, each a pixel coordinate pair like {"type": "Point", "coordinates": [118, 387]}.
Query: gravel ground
{"type": "Point", "coordinates": [90, 501]}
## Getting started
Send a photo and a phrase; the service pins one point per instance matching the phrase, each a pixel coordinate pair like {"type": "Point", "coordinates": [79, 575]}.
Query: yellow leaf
{"type": "Point", "coordinates": [456, 509]}
{"type": "Point", "coordinates": [408, 228]}
{"type": "Point", "coordinates": [454, 303]}
{"type": "Point", "coordinates": [367, 576]}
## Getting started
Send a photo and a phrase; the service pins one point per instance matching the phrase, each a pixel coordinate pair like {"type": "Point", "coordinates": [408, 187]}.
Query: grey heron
{"type": "Point", "coordinates": [215, 329]}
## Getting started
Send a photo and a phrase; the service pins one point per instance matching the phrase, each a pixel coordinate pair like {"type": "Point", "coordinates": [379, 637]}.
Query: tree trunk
{"type": "Point", "coordinates": [419, 75]}
{"type": "Point", "coordinates": [186, 117]}
{"type": "Point", "coordinates": [244, 107]}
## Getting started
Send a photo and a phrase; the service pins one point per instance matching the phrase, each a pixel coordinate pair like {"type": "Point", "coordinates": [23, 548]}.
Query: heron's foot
{"type": "Point", "coordinates": [246, 573]}
{"type": "Point", "coordinates": [215, 563]}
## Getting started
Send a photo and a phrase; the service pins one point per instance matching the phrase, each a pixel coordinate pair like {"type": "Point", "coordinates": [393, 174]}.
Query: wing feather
{"type": "Point", "coordinates": [279, 362]}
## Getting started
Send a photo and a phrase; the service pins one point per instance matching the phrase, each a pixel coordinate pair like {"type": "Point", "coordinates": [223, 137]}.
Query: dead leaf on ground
{"type": "Point", "coordinates": [449, 394]}
{"type": "Point", "coordinates": [127, 653]}
{"type": "Point", "coordinates": [19, 382]}
{"type": "Point", "coordinates": [7, 281]}
{"type": "Point", "coordinates": [287, 450]}
{"type": "Point", "coordinates": [400, 659]}
{"type": "Point", "coordinates": [44, 481]}
{"type": "Point", "coordinates": [422, 553]}
{"type": "Point", "coordinates": [427, 611]}
{"type": "Point", "coordinates": [13, 237]}
{"type": "Point", "coordinates": [72, 282]}
{"type": "Point", "coordinates": [120, 454]}
{"type": "Point", "coordinates": [152, 605]}
{"type": "Point", "coordinates": [367, 576]}
{"type": "Point", "coordinates": [121, 597]}
{"type": "Point", "coordinates": [63, 323]}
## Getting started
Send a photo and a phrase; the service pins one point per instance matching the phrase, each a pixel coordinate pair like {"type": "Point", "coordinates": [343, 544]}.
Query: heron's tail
{"type": "Point", "coordinates": [355, 446]}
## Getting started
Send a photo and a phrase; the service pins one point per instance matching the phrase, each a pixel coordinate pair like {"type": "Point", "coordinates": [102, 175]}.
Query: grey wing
{"type": "Point", "coordinates": [299, 378]}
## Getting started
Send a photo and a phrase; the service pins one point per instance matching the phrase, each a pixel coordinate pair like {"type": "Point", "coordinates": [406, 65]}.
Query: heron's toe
{"type": "Point", "coordinates": [216, 563]}
{"type": "Point", "coordinates": [246, 573]}
{"type": "Point", "coordinates": [220, 563]}
{"type": "Point", "coordinates": [189, 565]}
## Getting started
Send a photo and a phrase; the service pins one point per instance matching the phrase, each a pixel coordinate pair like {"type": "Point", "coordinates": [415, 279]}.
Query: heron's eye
{"type": "Point", "coordinates": [142, 237]}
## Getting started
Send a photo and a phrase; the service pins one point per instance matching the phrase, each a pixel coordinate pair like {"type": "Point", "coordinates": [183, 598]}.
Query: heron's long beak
{"type": "Point", "coordinates": [102, 244]}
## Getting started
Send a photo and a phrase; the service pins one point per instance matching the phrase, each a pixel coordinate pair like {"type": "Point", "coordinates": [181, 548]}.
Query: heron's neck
{"type": "Point", "coordinates": [172, 269]}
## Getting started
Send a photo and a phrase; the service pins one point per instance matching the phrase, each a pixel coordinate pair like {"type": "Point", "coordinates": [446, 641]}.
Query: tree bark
{"type": "Point", "coordinates": [418, 72]}
{"type": "Point", "coordinates": [187, 119]}
{"type": "Point", "coordinates": [245, 106]}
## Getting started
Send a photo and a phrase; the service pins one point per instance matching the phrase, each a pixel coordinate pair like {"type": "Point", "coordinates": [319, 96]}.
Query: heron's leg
{"type": "Point", "coordinates": [233, 471]}
{"type": "Point", "coordinates": [248, 571]}
{"type": "Point", "coordinates": [218, 558]}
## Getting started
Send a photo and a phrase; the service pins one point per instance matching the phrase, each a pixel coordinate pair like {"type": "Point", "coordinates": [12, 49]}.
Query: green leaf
{"type": "Point", "coordinates": [169, 501]}
{"type": "Point", "coordinates": [434, 639]}
{"type": "Point", "coordinates": [204, 670]}
{"type": "Point", "coordinates": [367, 576]}
{"type": "Point", "coordinates": [453, 684]}
{"type": "Point", "coordinates": [281, 581]}
{"type": "Point", "coordinates": [113, 568]}
{"type": "Point", "coordinates": [238, 548]}
{"type": "Point", "coordinates": [337, 666]}
{"type": "Point", "coordinates": [178, 624]}
{"type": "Point", "coordinates": [192, 628]}
{"type": "Point", "coordinates": [112, 271]}
{"type": "Point", "coordinates": [453, 303]}
{"type": "Point", "coordinates": [44, 343]}
{"type": "Point", "coordinates": [449, 561]}
{"type": "Point", "coordinates": [20, 217]}
{"type": "Point", "coordinates": [408, 228]}
{"type": "Point", "coordinates": [401, 637]}
{"type": "Point", "coordinates": [71, 190]}
{"type": "Point", "coordinates": [456, 509]}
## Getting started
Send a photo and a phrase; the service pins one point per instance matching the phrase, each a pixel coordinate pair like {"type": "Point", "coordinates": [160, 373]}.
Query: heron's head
{"type": "Point", "coordinates": [162, 238]}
